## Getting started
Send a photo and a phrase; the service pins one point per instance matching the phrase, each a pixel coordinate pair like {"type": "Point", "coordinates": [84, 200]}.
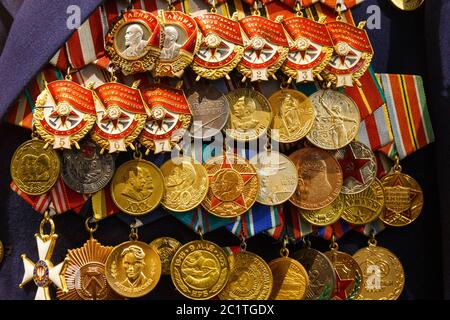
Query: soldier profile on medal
{"type": "Point", "coordinates": [35, 168]}
{"type": "Point", "coordinates": [138, 185]}
{"type": "Point", "coordinates": [228, 185]}
{"type": "Point", "coordinates": [133, 264]}
{"type": "Point", "coordinates": [135, 44]}
{"type": "Point", "coordinates": [171, 48]}
{"type": "Point", "coordinates": [313, 180]}
{"type": "Point", "coordinates": [289, 113]}
{"type": "Point", "coordinates": [243, 111]}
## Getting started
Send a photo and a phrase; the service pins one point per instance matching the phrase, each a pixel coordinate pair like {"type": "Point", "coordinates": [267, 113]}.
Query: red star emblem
{"type": "Point", "coordinates": [115, 121]}
{"type": "Point", "coordinates": [258, 51]}
{"type": "Point", "coordinates": [352, 166]}
{"type": "Point", "coordinates": [222, 45]}
{"type": "Point", "coordinates": [341, 287]}
{"type": "Point", "coordinates": [63, 118]}
{"type": "Point", "coordinates": [344, 57]}
{"type": "Point", "coordinates": [302, 52]}
{"type": "Point", "coordinates": [246, 177]}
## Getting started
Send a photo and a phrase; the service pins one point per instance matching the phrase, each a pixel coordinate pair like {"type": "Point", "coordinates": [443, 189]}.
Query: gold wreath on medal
{"type": "Point", "coordinates": [134, 42]}
{"type": "Point", "coordinates": [265, 47]}
{"type": "Point", "coordinates": [221, 48]}
{"type": "Point", "coordinates": [120, 116]}
{"type": "Point", "coordinates": [169, 117]}
{"type": "Point", "coordinates": [352, 54]}
{"type": "Point", "coordinates": [64, 113]}
{"type": "Point", "coordinates": [181, 42]}
{"type": "Point", "coordinates": [310, 49]}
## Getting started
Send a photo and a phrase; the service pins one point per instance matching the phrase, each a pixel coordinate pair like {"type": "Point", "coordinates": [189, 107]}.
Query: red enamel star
{"type": "Point", "coordinates": [344, 57]}
{"type": "Point", "coordinates": [63, 117]}
{"type": "Point", "coordinates": [246, 177]}
{"type": "Point", "coordinates": [159, 115]}
{"type": "Point", "coordinates": [221, 45]}
{"type": "Point", "coordinates": [341, 287]}
{"type": "Point", "coordinates": [352, 166]}
{"type": "Point", "coordinates": [302, 51]}
{"type": "Point", "coordinates": [257, 51]}
{"type": "Point", "coordinates": [114, 116]}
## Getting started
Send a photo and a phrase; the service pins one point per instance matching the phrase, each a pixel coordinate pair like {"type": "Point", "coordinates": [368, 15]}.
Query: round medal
{"type": "Point", "coordinates": [325, 216]}
{"type": "Point", "coordinates": [250, 116]}
{"type": "Point", "coordinates": [133, 269]}
{"type": "Point", "coordinates": [359, 167]}
{"type": "Point", "coordinates": [186, 183]}
{"type": "Point", "coordinates": [383, 273]}
{"type": "Point", "coordinates": [364, 207]}
{"type": "Point", "coordinates": [407, 5]}
{"type": "Point", "coordinates": [290, 279]}
{"type": "Point", "coordinates": [166, 248]}
{"type": "Point", "coordinates": [250, 278]}
{"type": "Point", "coordinates": [233, 186]}
{"type": "Point", "coordinates": [210, 110]}
{"type": "Point", "coordinates": [35, 170]}
{"type": "Point", "coordinates": [199, 270]}
{"type": "Point", "coordinates": [337, 120]}
{"type": "Point", "coordinates": [322, 278]}
{"type": "Point", "coordinates": [137, 187]}
{"type": "Point", "coordinates": [277, 177]}
{"type": "Point", "coordinates": [403, 199]}
{"type": "Point", "coordinates": [85, 274]}
{"type": "Point", "coordinates": [319, 178]}
{"type": "Point", "coordinates": [293, 115]}
{"type": "Point", "coordinates": [86, 170]}
{"type": "Point", "coordinates": [2, 252]}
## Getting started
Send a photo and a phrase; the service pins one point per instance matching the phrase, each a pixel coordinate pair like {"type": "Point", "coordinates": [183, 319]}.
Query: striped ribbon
{"type": "Point", "coordinates": [291, 225]}
{"type": "Point", "coordinates": [339, 229]}
{"type": "Point", "coordinates": [410, 120]}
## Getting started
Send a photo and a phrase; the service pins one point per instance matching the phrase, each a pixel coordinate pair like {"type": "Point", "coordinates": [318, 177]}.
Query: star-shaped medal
{"type": "Point", "coordinates": [352, 166]}
{"type": "Point", "coordinates": [114, 115]}
{"type": "Point", "coordinates": [43, 272]}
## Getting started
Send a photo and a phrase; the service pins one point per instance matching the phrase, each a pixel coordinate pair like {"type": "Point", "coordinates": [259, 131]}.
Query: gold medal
{"type": "Point", "coordinates": [319, 178]}
{"type": "Point", "coordinates": [133, 269]}
{"type": "Point", "coordinates": [199, 270]}
{"type": "Point", "coordinates": [403, 198]}
{"type": "Point", "coordinates": [325, 216]}
{"type": "Point", "coordinates": [34, 169]}
{"type": "Point", "coordinates": [290, 279]}
{"type": "Point", "coordinates": [137, 187]}
{"type": "Point", "coordinates": [2, 252]}
{"type": "Point", "coordinates": [166, 248]}
{"type": "Point", "coordinates": [277, 177]}
{"type": "Point", "coordinates": [233, 186]}
{"type": "Point", "coordinates": [337, 120]}
{"type": "Point", "coordinates": [364, 207]}
{"type": "Point", "coordinates": [383, 273]}
{"type": "Point", "coordinates": [64, 113]}
{"type": "Point", "coordinates": [293, 115]}
{"type": "Point", "coordinates": [134, 42]}
{"type": "Point", "coordinates": [349, 277]}
{"type": "Point", "coordinates": [250, 278]}
{"type": "Point", "coordinates": [186, 183]}
{"type": "Point", "coordinates": [407, 5]}
{"type": "Point", "coordinates": [43, 272]}
{"type": "Point", "coordinates": [250, 116]}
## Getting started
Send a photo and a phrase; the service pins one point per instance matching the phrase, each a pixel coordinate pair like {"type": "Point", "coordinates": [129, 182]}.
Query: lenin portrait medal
{"type": "Point", "coordinates": [134, 42]}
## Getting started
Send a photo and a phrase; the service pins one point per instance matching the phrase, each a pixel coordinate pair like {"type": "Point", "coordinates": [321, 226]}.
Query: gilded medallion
{"type": "Point", "coordinates": [290, 279]}
{"type": "Point", "coordinates": [166, 248]}
{"type": "Point", "coordinates": [35, 170]}
{"type": "Point", "coordinates": [293, 115]}
{"type": "Point", "coordinates": [85, 274]}
{"type": "Point", "coordinates": [337, 120]}
{"type": "Point", "coordinates": [133, 269]}
{"type": "Point", "coordinates": [383, 273]}
{"type": "Point", "coordinates": [233, 186]}
{"type": "Point", "coordinates": [277, 177]}
{"type": "Point", "coordinates": [250, 278]}
{"type": "Point", "coordinates": [364, 207]}
{"type": "Point", "coordinates": [186, 183]}
{"type": "Point", "coordinates": [407, 5]}
{"type": "Point", "coordinates": [2, 252]}
{"type": "Point", "coordinates": [325, 216]}
{"type": "Point", "coordinates": [200, 270]}
{"type": "Point", "coordinates": [319, 178]}
{"type": "Point", "coordinates": [251, 114]}
{"type": "Point", "coordinates": [137, 187]}
{"type": "Point", "coordinates": [403, 199]}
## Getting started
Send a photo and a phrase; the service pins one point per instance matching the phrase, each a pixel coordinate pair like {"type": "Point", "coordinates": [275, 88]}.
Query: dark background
{"type": "Point", "coordinates": [409, 43]}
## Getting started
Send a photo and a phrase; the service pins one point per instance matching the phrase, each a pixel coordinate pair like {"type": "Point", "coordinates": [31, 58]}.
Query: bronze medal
{"type": "Point", "coordinates": [137, 187]}
{"type": "Point", "coordinates": [407, 5]}
{"type": "Point", "coordinates": [34, 169]}
{"type": "Point", "coordinates": [134, 42]}
{"type": "Point", "coordinates": [319, 178]}
{"type": "Point", "coordinates": [293, 115]}
{"type": "Point", "coordinates": [250, 278]}
{"type": "Point", "coordinates": [133, 269]}
{"type": "Point", "coordinates": [383, 273]}
{"type": "Point", "coordinates": [166, 248]}
{"type": "Point", "coordinates": [199, 270]}
{"type": "Point", "coordinates": [325, 216]}
{"type": "Point", "coordinates": [64, 113]}
{"type": "Point", "coordinates": [233, 186]}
